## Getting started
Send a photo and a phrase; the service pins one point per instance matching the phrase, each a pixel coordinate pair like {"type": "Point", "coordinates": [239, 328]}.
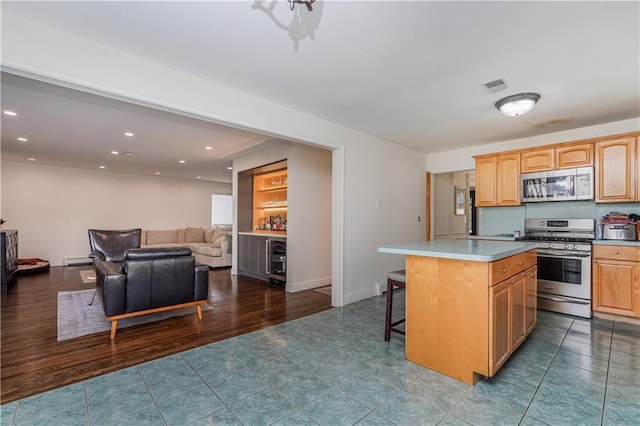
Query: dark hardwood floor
{"type": "Point", "coordinates": [32, 361]}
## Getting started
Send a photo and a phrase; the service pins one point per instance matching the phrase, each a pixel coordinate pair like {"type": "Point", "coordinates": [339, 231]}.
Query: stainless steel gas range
{"type": "Point", "coordinates": [564, 263]}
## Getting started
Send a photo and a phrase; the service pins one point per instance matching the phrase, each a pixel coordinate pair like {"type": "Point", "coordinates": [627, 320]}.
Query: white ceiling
{"type": "Point", "coordinates": [409, 72]}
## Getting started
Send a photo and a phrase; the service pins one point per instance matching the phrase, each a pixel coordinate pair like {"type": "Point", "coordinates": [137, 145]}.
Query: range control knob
{"type": "Point", "coordinates": [570, 247]}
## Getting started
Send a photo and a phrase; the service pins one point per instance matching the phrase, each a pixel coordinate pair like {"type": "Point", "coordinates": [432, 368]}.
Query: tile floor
{"type": "Point", "coordinates": [334, 368]}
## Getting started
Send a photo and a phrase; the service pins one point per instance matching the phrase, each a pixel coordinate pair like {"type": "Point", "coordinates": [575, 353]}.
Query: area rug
{"type": "Point", "coordinates": [88, 276]}
{"type": "Point", "coordinates": [77, 318]}
{"type": "Point", "coordinates": [324, 290]}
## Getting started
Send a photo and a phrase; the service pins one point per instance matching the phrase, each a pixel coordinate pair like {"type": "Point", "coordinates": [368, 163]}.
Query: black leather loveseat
{"type": "Point", "coordinates": [150, 280]}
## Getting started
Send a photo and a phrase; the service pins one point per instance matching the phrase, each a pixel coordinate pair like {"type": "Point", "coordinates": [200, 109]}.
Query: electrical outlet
{"type": "Point", "coordinates": [378, 204]}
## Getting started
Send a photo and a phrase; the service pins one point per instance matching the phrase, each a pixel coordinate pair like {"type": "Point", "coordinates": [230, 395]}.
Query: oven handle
{"type": "Point", "coordinates": [557, 299]}
{"type": "Point", "coordinates": [564, 256]}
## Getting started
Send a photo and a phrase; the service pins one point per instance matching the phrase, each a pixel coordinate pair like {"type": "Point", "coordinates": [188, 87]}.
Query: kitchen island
{"type": "Point", "coordinates": [469, 303]}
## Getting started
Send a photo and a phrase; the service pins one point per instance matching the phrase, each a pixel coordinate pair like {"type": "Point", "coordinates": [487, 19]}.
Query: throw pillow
{"type": "Point", "coordinates": [218, 243]}
{"type": "Point", "coordinates": [194, 235]}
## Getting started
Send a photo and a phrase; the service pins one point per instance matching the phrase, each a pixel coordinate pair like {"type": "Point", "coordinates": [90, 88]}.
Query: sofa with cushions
{"type": "Point", "coordinates": [209, 246]}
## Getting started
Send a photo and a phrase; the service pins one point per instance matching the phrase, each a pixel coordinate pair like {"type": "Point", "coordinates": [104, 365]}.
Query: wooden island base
{"type": "Point", "coordinates": [465, 318]}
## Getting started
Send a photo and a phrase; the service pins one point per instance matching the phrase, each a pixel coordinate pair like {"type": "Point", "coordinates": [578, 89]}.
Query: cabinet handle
{"type": "Point", "coordinates": [616, 252]}
{"type": "Point", "coordinates": [595, 260]}
{"type": "Point", "coordinates": [519, 264]}
{"type": "Point", "coordinates": [527, 274]}
{"type": "Point", "coordinates": [504, 271]}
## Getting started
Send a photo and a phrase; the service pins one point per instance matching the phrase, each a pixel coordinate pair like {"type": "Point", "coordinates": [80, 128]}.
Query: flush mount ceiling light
{"type": "Point", "coordinates": [515, 105]}
{"type": "Point", "coordinates": [307, 3]}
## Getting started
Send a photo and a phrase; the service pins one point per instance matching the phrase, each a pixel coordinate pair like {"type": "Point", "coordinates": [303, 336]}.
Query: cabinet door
{"type": "Point", "coordinates": [258, 257]}
{"type": "Point", "coordinates": [486, 181]}
{"type": "Point", "coordinates": [508, 180]}
{"type": "Point", "coordinates": [537, 161]}
{"type": "Point", "coordinates": [244, 254]}
{"type": "Point", "coordinates": [517, 299]}
{"type": "Point", "coordinates": [500, 323]}
{"type": "Point", "coordinates": [638, 171]}
{"type": "Point", "coordinates": [531, 301]}
{"type": "Point", "coordinates": [616, 168]}
{"type": "Point", "coordinates": [580, 155]}
{"type": "Point", "coordinates": [616, 287]}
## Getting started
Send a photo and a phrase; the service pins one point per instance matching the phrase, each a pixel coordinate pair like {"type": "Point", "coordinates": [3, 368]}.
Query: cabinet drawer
{"type": "Point", "coordinates": [500, 270]}
{"type": "Point", "coordinates": [617, 252]}
{"type": "Point", "coordinates": [523, 261]}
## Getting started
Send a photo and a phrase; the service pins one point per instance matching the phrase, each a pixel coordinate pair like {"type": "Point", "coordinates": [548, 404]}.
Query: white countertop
{"type": "Point", "coordinates": [474, 250]}
{"type": "Point", "coordinates": [279, 234]}
{"type": "Point", "coordinates": [617, 243]}
{"type": "Point", "coordinates": [501, 237]}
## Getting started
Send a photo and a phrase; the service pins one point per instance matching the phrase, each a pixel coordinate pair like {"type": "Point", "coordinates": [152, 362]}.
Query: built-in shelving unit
{"type": "Point", "coordinates": [270, 200]}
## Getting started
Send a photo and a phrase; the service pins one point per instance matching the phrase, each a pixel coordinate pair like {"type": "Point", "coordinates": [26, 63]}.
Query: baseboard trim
{"type": "Point", "coordinates": [360, 295]}
{"type": "Point", "coordinates": [308, 285]}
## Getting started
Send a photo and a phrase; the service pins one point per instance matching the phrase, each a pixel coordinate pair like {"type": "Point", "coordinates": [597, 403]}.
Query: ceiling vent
{"type": "Point", "coordinates": [495, 86]}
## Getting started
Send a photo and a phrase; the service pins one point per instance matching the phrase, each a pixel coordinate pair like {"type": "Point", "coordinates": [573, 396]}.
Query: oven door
{"type": "Point", "coordinates": [565, 274]}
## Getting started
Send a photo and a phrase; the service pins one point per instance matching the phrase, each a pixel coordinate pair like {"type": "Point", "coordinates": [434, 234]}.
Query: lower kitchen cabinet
{"type": "Point", "coordinates": [531, 303]}
{"type": "Point", "coordinates": [616, 280]}
{"type": "Point", "coordinates": [252, 256]}
{"type": "Point", "coordinates": [512, 315]}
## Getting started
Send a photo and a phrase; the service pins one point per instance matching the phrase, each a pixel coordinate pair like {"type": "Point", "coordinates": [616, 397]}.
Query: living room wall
{"type": "Point", "coordinates": [52, 207]}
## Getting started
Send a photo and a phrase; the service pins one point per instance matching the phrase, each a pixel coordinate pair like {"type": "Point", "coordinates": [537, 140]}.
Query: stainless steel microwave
{"type": "Point", "coordinates": [558, 185]}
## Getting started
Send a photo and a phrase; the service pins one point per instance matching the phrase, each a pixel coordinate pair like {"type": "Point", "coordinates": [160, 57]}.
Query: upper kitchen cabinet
{"type": "Point", "coordinates": [498, 180]}
{"type": "Point", "coordinates": [560, 157]}
{"type": "Point", "coordinates": [616, 170]}
{"type": "Point", "coordinates": [539, 160]}
{"type": "Point", "coordinates": [580, 155]}
{"type": "Point", "coordinates": [486, 168]}
{"type": "Point", "coordinates": [508, 191]}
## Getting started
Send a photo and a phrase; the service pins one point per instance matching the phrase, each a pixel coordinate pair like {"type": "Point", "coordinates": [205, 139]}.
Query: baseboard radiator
{"type": "Point", "coordinates": [75, 261]}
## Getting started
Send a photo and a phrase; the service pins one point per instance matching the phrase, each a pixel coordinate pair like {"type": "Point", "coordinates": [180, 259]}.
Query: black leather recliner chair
{"type": "Point", "coordinates": [150, 280]}
{"type": "Point", "coordinates": [111, 244]}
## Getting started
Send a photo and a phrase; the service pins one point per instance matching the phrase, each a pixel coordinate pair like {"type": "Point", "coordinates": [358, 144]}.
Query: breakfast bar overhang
{"type": "Point", "coordinates": [469, 303]}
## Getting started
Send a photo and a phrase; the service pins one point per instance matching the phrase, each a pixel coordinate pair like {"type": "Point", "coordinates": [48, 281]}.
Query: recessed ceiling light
{"type": "Point", "coordinates": [31, 159]}
{"type": "Point", "coordinates": [199, 177]}
{"type": "Point", "coordinates": [11, 113]}
{"type": "Point", "coordinates": [102, 167]}
{"type": "Point", "coordinates": [157, 173]}
{"type": "Point", "coordinates": [23, 139]}
{"type": "Point", "coordinates": [129, 153]}
{"type": "Point", "coordinates": [182, 161]}
{"type": "Point", "coordinates": [128, 134]}
{"type": "Point", "coordinates": [115, 152]}
{"type": "Point", "coordinates": [208, 148]}
{"type": "Point", "coordinates": [229, 168]}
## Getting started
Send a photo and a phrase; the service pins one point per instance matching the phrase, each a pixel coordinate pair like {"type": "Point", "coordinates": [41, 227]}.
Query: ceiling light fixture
{"type": "Point", "coordinates": [115, 152]}
{"type": "Point", "coordinates": [307, 3]}
{"type": "Point", "coordinates": [102, 167]}
{"type": "Point", "coordinates": [23, 139]}
{"type": "Point", "coordinates": [128, 134]}
{"type": "Point", "coordinates": [129, 153]}
{"type": "Point", "coordinates": [515, 105]}
{"type": "Point", "coordinates": [11, 113]}
{"type": "Point", "coordinates": [182, 161]}
{"type": "Point", "coordinates": [157, 173]}
{"type": "Point", "coordinates": [31, 159]}
{"type": "Point", "coordinates": [229, 168]}
{"type": "Point", "coordinates": [208, 148]}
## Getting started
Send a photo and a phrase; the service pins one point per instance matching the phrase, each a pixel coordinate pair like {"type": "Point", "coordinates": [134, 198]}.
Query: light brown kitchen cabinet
{"type": "Point", "coordinates": [579, 155]}
{"type": "Point", "coordinates": [486, 175]}
{"type": "Point", "coordinates": [512, 314]}
{"type": "Point", "coordinates": [531, 303]}
{"type": "Point", "coordinates": [616, 169]}
{"type": "Point", "coordinates": [616, 280]}
{"type": "Point", "coordinates": [508, 180]}
{"type": "Point", "coordinates": [465, 318]}
{"type": "Point", "coordinates": [638, 169]}
{"type": "Point", "coordinates": [498, 180]}
{"type": "Point", "coordinates": [537, 161]}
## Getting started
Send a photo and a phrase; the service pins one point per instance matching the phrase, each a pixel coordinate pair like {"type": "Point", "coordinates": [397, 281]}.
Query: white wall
{"type": "Point", "coordinates": [462, 159]}
{"type": "Point", "coordinates": [52, 207]}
